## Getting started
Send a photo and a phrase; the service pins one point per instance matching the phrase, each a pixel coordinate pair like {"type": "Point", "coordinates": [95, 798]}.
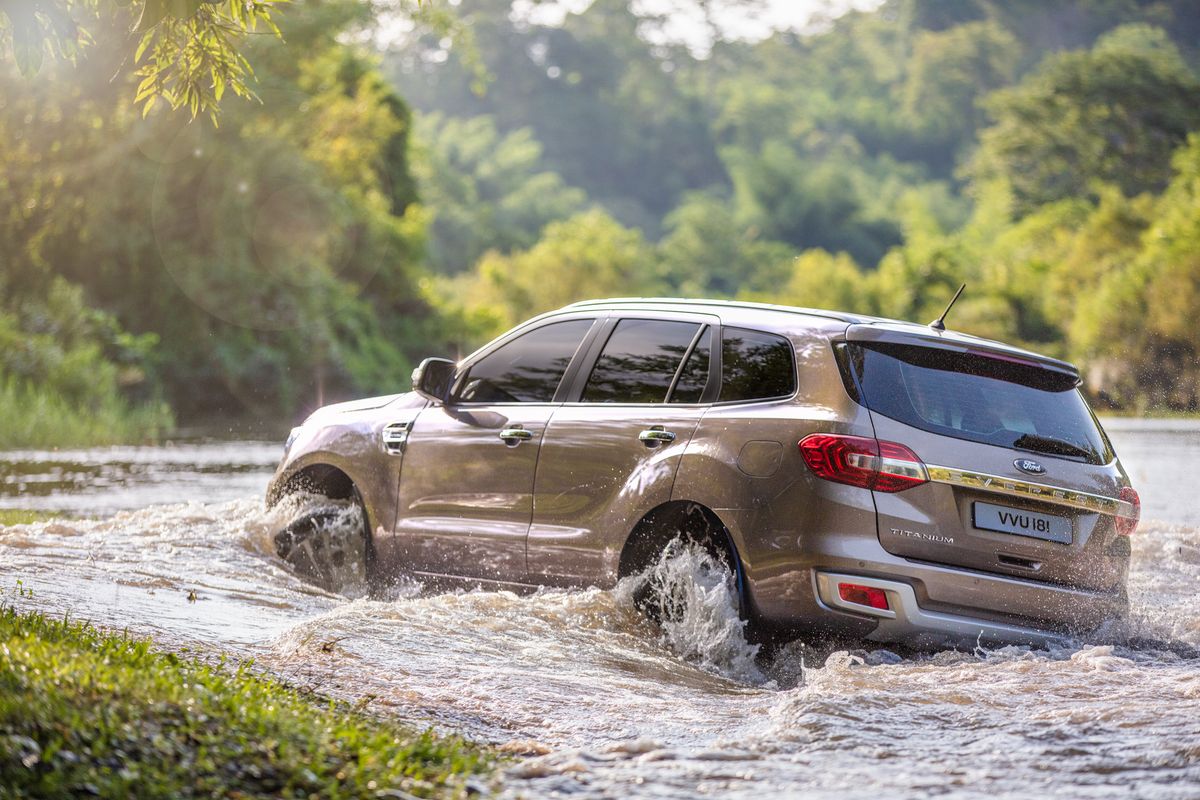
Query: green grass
{"type": "Point", "coordinates": [21, 516]}
{"type": "Point", "coordinates": [36, 416]}
{"type": "Point", "coordinates": [84, 712]}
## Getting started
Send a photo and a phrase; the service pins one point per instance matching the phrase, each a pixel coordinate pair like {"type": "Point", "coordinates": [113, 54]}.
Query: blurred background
{"type": "Point", "coordinates": [414, 179]}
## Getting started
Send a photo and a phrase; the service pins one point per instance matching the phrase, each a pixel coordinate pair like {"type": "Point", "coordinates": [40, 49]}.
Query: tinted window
{"type": "Point", "coordinates": [694, 375]}
{"type": "Point", "coordinates": [639, 361]}
{"type": "Point", "coordinates": [755, 366]}
{"type": "Point", "coordinates": [979, 398]}
{"type": "Point", "coordinates": [527, 369]}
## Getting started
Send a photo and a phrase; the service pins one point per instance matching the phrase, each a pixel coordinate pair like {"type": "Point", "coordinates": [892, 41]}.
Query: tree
{"type": "Point", "coordinates": [706, 252]}
{"type": "Point", "coordinates": [274, 258]}
{"type": "Point", "coordinates": [484, 190]}
{"type": "Point", "coordinates": [1113, 114]}
{"type": "Point", "coordinates": [587, 256]}
{"type": "Point", "coordinates": [188, 51]}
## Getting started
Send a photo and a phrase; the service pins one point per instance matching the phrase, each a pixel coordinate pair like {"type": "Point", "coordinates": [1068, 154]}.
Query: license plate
{"type": "Point", "coordinates": [1050, 527]}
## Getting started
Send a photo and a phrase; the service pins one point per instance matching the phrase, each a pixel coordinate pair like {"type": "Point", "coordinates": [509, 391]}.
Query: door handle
{"type": "Point", "coordinates": [515, 435]}
{"type": "Point", "coordinates": [653, 437]}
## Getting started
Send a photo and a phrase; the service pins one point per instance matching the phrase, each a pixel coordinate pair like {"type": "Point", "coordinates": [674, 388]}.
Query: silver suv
{"type": "Point", "coordinates": [859, 476]}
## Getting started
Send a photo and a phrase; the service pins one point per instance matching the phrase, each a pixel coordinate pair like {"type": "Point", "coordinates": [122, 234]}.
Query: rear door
{"type": "Point", "coordinates": [466, 487]}
{"type": "Point", "coordinates": [1021, 474]}
{"type": "Point", "coordinates": [611, 454]}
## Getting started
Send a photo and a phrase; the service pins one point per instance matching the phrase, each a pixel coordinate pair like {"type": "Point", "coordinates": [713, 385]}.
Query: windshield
{"type": "Point", "coordinates": [979, 397]}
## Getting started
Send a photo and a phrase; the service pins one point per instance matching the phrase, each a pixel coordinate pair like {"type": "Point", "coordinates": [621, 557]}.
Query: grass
{"type": "Point", "coordinates": [39, 417]}
{"type": "Point", "coordinates": [21, 516]}
{"type": "Point", "coordinates": [89, 713]}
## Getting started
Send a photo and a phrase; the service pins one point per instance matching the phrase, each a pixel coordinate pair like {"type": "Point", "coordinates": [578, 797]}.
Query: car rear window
{"type": "Point", "coordinates": [979, 397]}
{"type": "Point", "coordinates": [755, 366]}
{"type": "Point", "coordinates": [639, 361]}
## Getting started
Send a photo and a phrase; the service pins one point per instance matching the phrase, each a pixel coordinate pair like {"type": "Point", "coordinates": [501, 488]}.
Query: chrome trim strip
{"type": "Point", "coordinates": [1086, 501]}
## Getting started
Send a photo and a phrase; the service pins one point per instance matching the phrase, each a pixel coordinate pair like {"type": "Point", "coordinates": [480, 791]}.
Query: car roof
{"type": "Point", "coordinates": [858, 327]}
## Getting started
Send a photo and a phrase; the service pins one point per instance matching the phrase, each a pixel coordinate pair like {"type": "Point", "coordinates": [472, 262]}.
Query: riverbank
{"type": "Point", "coordinates": [83, 711]}
{"type": "Point", "coordinates": [37, 416]}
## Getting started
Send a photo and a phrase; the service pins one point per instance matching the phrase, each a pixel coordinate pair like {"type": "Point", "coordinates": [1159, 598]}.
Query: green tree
{"type": "Point", "coordinates": [188, 52]}
{"type": "Point", "coordinates": [707, 252]}
{"type": "Point", "coordinates": [1113, 114]}
{"type": "Point", "coordinates": [484, 190]}
{"type": "Point", "coordinates": [587, 256]}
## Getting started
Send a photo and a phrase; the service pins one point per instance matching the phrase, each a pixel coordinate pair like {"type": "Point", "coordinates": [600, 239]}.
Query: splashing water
{"type": "Point", "coordinates": [699, 620]}
{"type": "Point", "coordinates": [596, 701]}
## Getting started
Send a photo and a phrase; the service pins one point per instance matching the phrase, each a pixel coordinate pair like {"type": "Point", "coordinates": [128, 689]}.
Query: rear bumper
{"type": "Point", "coordinates": [906, 621]}
{"type": "Point", "coordinates": [931, 605]}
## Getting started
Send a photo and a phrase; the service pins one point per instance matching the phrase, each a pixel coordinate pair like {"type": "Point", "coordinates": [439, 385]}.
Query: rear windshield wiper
{"type": "Point", "coordinates": [1051, 445]}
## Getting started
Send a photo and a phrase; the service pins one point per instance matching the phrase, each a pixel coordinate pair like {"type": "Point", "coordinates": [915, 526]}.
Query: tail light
{"type": "Point", "coordinates": [863, 595]}
{"type": "Point", "coordinates": [1128, 518]}
{"type": "Point", "coordinates": [861, 461]}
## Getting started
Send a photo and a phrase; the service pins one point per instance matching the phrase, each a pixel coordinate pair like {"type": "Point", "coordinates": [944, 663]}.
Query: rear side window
{"type": "Point", "coordinates": [755, 366]}
{"type": "Point", "coordinates": [639, 361]}
{"type": "Point", "coordinates": [979, 398]}
{"type": "Point", "coordinates": [526, 370]}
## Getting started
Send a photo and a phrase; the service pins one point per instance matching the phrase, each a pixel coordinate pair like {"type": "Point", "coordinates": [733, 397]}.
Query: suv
{"type": "Point", "coordinates": [858, 476]}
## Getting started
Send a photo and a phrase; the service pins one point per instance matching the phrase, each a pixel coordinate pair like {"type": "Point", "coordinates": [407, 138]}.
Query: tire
{"type": "Point", "coordinates": [330, 547]}
{"type": "Point", "coordinates": [696, 530]}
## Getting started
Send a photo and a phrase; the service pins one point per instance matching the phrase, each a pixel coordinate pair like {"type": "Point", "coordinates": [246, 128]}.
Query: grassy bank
{"type": "Point", "coordinates": [35, 416]}
{"type": "Point", "coordinates": [21, 516]}
{"type": "Point", "coordinates": [83, 712]}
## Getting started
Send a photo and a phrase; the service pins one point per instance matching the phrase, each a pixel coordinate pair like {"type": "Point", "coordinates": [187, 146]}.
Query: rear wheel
{"type": "Point", "coordinates": [690, 544]}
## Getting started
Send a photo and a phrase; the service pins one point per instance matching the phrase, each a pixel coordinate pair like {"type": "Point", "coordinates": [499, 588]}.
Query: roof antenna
{"type": "Point", "coordinates": [939, 324]}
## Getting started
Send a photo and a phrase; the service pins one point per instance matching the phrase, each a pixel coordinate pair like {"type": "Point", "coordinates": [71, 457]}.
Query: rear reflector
{"type": "Point", "coordinates": [863, 595]}
{"type": "Point", "coordinates": [1129, 516]}
{"type": "Point", "coordinates": [862, 461]}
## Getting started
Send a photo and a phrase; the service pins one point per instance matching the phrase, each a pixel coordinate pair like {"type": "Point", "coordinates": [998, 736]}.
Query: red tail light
{"type": "Point", "coordinates": [863, 595]}
{"type": "Point", "coordinates": [1127, 519]}
{"type": "Point", "coordinates": [860, 461]}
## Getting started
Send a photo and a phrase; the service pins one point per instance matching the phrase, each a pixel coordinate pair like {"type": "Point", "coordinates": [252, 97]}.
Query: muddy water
{"type": "Point", "coordinates": [597, 703]}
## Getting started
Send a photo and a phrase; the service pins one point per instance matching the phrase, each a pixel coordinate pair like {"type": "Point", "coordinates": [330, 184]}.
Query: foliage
{"type": "Point", "coordinates": [273, 258]}
{"type": "Point", "coordinates": [188, 52]}
{"type": "Point", "coordinates": [1112, 114]}
{"type": "Point", "coordinates": [589, 255]}
{"type": "Point", "coordinates": [67, 373]}
{"type": "Point", "coordinates": [87, 712]}
{"type": "Point", "coordinates": [484, 191]}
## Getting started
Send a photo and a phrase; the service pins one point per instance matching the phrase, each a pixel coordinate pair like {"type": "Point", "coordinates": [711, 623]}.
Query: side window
{"type": "Point", "coordinates": [527, 369]}
{"type": "Point", "coordinates": [755, 366]}
{"type": "Point", "coordinates": [694, 375]}
{"type": "Point", "coordinates": [639, 361]}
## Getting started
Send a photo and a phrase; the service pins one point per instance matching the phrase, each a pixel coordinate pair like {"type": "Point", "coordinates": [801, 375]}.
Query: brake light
{"type": "Point", "coordinates": [861, 461]}
{"type": "Point", "coordinates": [1127, 519]}
{"type": "Point", "coordinates": [863, 595]}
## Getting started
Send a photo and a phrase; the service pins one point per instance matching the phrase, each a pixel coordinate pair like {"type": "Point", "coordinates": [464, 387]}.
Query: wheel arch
{"type": "Point", "coordinates": [318, 478]}
{"type": "Point", "coordinates": [687, 518]}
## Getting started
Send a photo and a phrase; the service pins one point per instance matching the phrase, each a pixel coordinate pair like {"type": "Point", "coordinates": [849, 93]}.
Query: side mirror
{"type": "Point", "coordinates": [433, 379]}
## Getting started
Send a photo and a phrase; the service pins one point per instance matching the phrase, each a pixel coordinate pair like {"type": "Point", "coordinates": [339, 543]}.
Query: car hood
{"type": "Point", "coordinates": [325, 413]}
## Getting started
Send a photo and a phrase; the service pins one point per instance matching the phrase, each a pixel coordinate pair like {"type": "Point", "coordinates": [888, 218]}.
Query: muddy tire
{"type": "Point", "coordinates": [329, 547]}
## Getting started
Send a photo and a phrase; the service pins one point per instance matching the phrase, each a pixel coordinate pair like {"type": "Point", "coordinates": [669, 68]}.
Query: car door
{"type": "Point", "coordinates": [466, 484]}
{"type": "Point", "coordinates": [610, 453]}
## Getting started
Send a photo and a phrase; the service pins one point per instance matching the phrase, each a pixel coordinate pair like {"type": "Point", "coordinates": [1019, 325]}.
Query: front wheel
{"type": "Point", "coordinates": [328, 545]}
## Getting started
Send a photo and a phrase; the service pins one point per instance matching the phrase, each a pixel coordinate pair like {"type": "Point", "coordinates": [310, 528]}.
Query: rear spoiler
{"type": "Point", "coordinates": [876, 333]}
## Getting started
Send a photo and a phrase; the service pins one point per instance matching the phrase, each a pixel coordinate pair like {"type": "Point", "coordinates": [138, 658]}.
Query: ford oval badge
{"type": "Point", "coordinates": [1030, 466]}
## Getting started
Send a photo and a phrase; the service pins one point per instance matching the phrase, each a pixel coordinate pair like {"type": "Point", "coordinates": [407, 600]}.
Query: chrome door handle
{"type": "Point", "coordinates": [515, 435]}
{"type": "Point", "coordinates": [652, 437]}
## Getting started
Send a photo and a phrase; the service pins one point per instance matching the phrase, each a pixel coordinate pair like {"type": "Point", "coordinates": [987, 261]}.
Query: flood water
{"type": "Point", "coordinates": [175, 542]}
